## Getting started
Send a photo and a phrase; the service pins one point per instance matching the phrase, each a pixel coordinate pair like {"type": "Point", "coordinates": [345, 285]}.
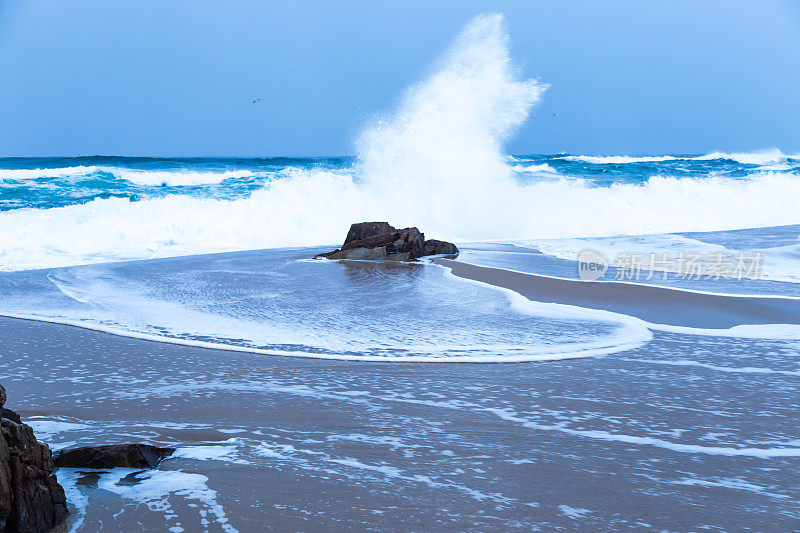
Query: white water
{"type": "Point", "coordinates": [772, 156]}
{"type": "Point", "coordinates": [178, 178]}
{"type": "Point", "coordinates": [139, 177]}
{"type": "Point", "coordinates": [778, 263]}
{"type": "Point", "coordinates": [317, 207]}
{"type": "Point", "coordinates": [619, 159]}
{"type": "Point", "coordinates": [272, 316]}
{"type": "Point", "coordinates": [158, 490]}
{"type": "Point", "coordinates": [763, 157]}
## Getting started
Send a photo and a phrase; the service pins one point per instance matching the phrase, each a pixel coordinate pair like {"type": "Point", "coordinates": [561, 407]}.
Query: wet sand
{"type": "Point", "coordinates": [657, 305]}
{"type": "Point", "coordinates": [638, 440]}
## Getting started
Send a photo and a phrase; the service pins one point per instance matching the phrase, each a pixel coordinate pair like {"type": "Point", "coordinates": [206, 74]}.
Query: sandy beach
{"type": "Point", "coordinates": [641, 438]}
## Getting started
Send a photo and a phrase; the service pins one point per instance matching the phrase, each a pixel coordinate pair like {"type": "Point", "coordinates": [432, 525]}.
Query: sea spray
{"type": "Point", "coordinates": [439, 160]}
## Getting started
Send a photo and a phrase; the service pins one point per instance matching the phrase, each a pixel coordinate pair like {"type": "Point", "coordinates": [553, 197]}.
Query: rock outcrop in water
{"type": "Point", "coordinates": [434, 247]}
{"type": "Point", "coordinates": [380, 241]}
{"type": "Point", "coordinates": [31, 500]}
{"type": "Point", "coordinates": [113, 456]}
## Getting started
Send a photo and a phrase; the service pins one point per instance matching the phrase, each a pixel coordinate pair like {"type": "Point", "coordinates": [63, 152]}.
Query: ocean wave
{"type": "Point", "coordinates": [176, 177]}
{"type": "Point", "coordinates": [618, 159]}
{"type": "Point", "coordinates": [763, 157]}
{"type": "Point", "coordinates": [315, 207]}
{"type": "Point", "coordinates": [772, 156]}
{"type": "Point", "coordinates": [24, 174]}
{"type": "Point", "coordinates": [544, 167]}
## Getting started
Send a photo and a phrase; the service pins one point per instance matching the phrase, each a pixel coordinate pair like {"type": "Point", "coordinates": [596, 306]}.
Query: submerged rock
{"type": "Point", "coordinates": [380, 241]}
{"type": "Point", "coordinates": [112, 456]}
{"type": "Point", "coordinates": [31, 500]}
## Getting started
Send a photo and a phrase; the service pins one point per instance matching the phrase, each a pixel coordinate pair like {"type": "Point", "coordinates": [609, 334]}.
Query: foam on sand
{"type": "Point", "coordinates": [760, 453]}
{"type": "Point", "coordinates": [158, 490]}
{"type": "Point", "coordinates": [648, 306]}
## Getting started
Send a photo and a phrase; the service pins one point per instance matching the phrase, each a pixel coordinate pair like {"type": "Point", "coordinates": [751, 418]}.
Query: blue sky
{"type": "Point", "coordinates": [82, 77]}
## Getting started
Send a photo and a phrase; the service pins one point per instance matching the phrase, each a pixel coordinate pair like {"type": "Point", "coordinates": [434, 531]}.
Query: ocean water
{"type": "Point", "coordinates": [359, 394]}
{"type": "Point", "coordinates": [69, 211]}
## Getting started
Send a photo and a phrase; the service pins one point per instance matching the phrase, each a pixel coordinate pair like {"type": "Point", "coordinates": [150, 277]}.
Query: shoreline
{"type": "Point", "coordinates": [703, 314]}
{"type": "Point", "coordinates": [654, 305]}
{"type": "Point", "coordinates": [558, 352]}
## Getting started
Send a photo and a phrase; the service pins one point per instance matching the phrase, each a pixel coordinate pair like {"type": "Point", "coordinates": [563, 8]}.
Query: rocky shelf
{"type": "Point", "coordinates": [31, 500]}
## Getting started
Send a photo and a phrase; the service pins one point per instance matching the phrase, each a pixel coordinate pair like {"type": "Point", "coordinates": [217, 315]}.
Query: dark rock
{"type": "Point", "coordinates": [434, 247]}
{"type": "Point", "coordinates": [411, 241]}
{"type": "Point", "coordinates": [31, 500]}
{"type": "Point", "coordinates": [365, 230]}
{"type": "Point", "coordinates": [359, 253]}
{"type": "Point", "coordinates": [374, 241]}
{"type": "Point", "coordinates": [326, 255]}
{"type": "Point", "coordinates": [11, 415]}
{"type": "Point", "coordinates": [114, 455]}
{"type": "Point", "coordinates": [379, 241]}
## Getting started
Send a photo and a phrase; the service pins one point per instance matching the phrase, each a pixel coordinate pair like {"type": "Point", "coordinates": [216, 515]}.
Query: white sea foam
{"type": "Point", "coordinates": [718, 368]}
{"type": "Point", "coordinates": [77, 501]}
{"type": "Point", "coordinates": [761, 453]}
{"type": "Point", "coordinates": [445, 139]}
{"type": "Point", "coordinates": [120, 306]}
{"type": "Point", "coordinates": [744, 331]}
{"type": "Point", "coordinates": [780, 263]}
{"type": "Point", "coordinates": [35, 173]}
{"type": "Point", "coordinates": [179, 177]}
{"type": "Point", "coordinates": [176, 177]}
{"type": "Point", "coordinates": [788, 449]}
{"type": "Point", "coordinates": [631, 244]}
{"type": "Point", "coordinates": [763, 157]}
{"type": "Point", "coordinates": [772, 156]}
{"type": "Point", "coordinates": [619, 159]}
{"type": "Point", "coordinates": [576, 513]}
{"type": "Point", "coordinates": [631, 332]}
{"type": "Point", "coordinates": [48, 427]}
{"type": "Point", "coordinates": [159, 490]}
{"type": "Point", "coordinates": [226, 451]}
{"type": "Point", "coordinates": [356, 470]}
{"type": "Point", "coordinates": [731, 483]}
{"type": "Point", "coordinates": [534, 168]}
{"type": "Point", "coordinates": [316, 207]}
